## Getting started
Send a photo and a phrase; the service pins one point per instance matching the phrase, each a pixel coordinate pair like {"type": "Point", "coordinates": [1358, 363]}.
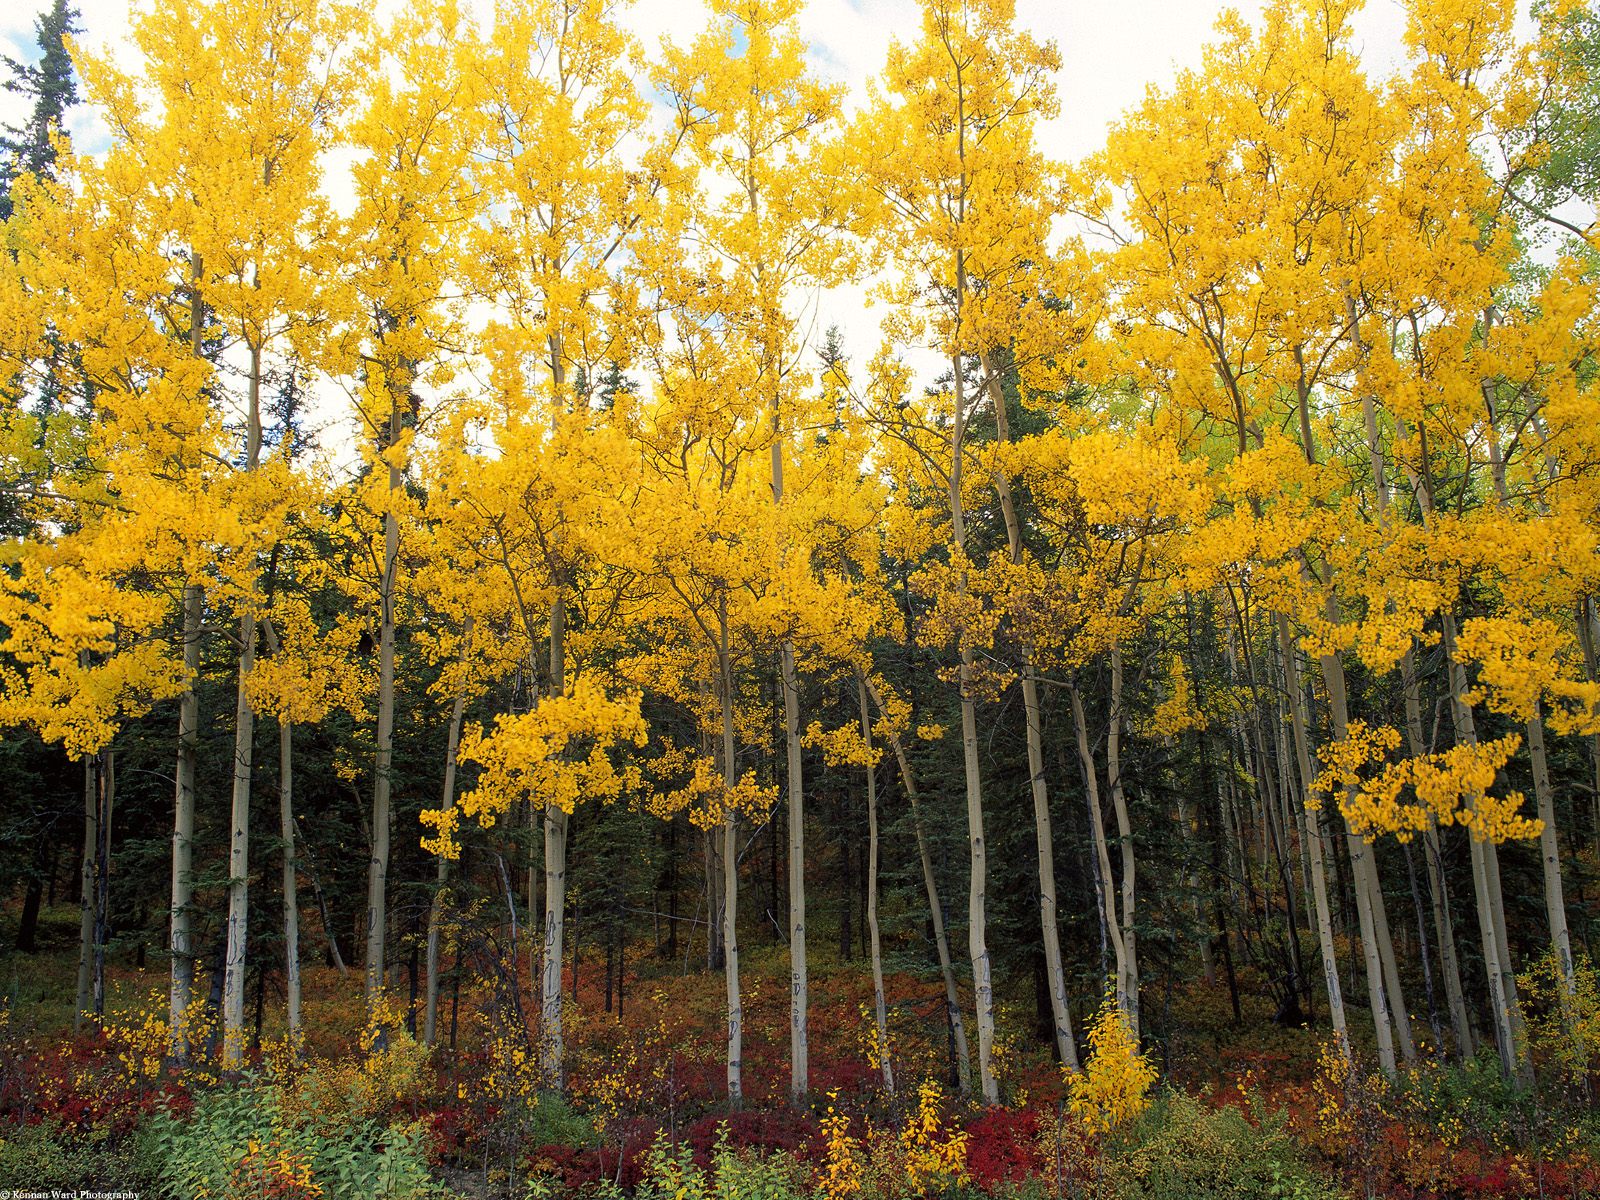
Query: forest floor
{"type": "Point", "coordinates": [1242, 1106]}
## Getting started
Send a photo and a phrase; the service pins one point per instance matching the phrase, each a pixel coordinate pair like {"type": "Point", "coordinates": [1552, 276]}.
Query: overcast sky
{"type": "Point", "coordinates": [1111, 49]}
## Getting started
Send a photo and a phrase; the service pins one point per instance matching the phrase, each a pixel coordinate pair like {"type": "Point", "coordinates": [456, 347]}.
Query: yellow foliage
{"type": "Point", "coordinates": [1114, 1085]}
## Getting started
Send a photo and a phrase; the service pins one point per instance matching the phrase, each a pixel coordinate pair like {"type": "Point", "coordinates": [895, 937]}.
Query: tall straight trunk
{"type": "Point", "coordinates": [1044, 840]}
{"type": "Point", "coordinates": [291, 900]}
{"type": "Point", "coordinates": [977, 925]}
{"type": "Point", "coordinates": [730, 870]}
{"type": "Point", "coordinates": [799, 1045]}
{"type": "Point", "coordinates": [378, 865]}
{"type": "Point", "coordinates": [1318, 868]}
{"type": "Point", "coordinates": [879, 1012]}
{"type": "Point", "coordinates": [89, 892]}
{"type": "Point", "coordinates": [244, 729]}
{"type": "Point", "coordinates": [458, 709]}
{"type": "Point", "coordinates": [239, 857]}
{"type": "Point", "coordinates": [556, 825]}
{"type": "Point", "coordinates": [958, 1028]}
{"type": "Point", "coordinates": [181, 941]}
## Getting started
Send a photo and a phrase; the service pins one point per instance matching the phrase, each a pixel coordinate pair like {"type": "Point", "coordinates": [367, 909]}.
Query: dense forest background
{"type": "Point", "coordinates": [472, 640]}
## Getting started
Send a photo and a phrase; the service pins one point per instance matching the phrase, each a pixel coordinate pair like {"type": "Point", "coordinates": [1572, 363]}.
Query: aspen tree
{"type": "Point", "coordinates": [400, 320]}
{"type": "Point", "coordinates": [750, 113]}
{"type": "Point", "coordinates": [939, 149]}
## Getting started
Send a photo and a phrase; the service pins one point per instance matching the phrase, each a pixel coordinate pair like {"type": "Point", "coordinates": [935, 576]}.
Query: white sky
{"type": "Point", "coordinates": [1110, 50]}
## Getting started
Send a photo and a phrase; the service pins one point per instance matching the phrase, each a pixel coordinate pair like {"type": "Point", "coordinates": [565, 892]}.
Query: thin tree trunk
{"type": "Point", "coordinates": [1044, 840]}
{"type": "Point", "coordinates": [181, 942]}
{"type": "Point", "coordinates": [958, 1030]}
{"type": "Point", "coordinates": [1111, 924]}
{"type": "Point", "coordinates": [879, 1012]}
{"type": "Point", "coordinates": [243, 768]}
{"type": "Point", "coordinates": [1319, 879]}
{"type": "Point", "coordinates": [1438, 892]}
{"type": "Point", "coordinates": [799, 1047]}
{"type": "Point", "coordinates": [88, 893]}
{"type": "Point", "coordinates": [556, 823]}
{"type": "Point", "coordinates": [978, 854]}
{"type": "Point", "coordinates": [291, 901]}
{"type": "Point", "coordinates": [1550, 855]}
{"type": "Point", "coordinates": [730, 871]}
{"type": "Point", "coordinates": [1128, 983]}
{"type": "Point", "coordinates": [383, 758]}
{"type": "Point", "coordinates": [1502, 1000]}
{"type": "Point", "coordinates": [102, 913]}
{"type": "Point", "coordinates": [458, 710]}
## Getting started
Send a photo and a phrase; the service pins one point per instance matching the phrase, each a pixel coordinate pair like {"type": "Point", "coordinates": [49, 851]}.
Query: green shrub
{"type": "Point", "coordinates": [1181, 1150]}
{"type": "Point", "coordinates": [671, 1174]}
{"type": "Point", "coordinates": [554, 1122]}
{"type": "Point", "coordinates": [239, 1134]}
{"type": "Point", "coordinates": [44, 1156]}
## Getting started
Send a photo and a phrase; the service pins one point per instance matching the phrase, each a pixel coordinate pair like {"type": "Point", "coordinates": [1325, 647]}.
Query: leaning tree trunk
{"type": "Point", "coordinates": [1128, 983]}
{"type": "Point", "coordinates": [952, 1000]}
{"type": "Point", "coordinates": [1313, 835]}
{"type": "Point", "coordinates": [1044, 839]}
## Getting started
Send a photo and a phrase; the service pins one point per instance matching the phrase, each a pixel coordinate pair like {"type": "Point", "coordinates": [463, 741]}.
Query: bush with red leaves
{"type": "Point", "coordinates": [1002, 1147]}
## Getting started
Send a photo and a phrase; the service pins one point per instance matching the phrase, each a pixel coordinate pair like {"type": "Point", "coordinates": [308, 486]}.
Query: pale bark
{"type": "Point", "coordinates": [958, 1029]}
{"type": "Point", "coordinates": [1044, 839]}
{"type": "Point", "coordinates": [430, 1017]}
{"type": "Point", "coordinates": [1496, 957]}
{"type": "Point", "coordinates": [378, 864]}
{"type": "Point", "coordinates": [181, 941]}
{"type": "Point", "coordinates": [977, 927]}
{"type": "Point", "coordinates": [244, 718]}
{"type": "Point", "coordinates": [1111, 923]}
{"type": "Point", "coordinates": [730, 871]}
{"type": "Point", "coordinates": [551, 1043]}
{"type": "Point", "coordinates": [1360, 865]}
{"type": "Point", "coordinates": [879, 1012]}
{"type": "Point", "coordinates": [1550, 856]}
